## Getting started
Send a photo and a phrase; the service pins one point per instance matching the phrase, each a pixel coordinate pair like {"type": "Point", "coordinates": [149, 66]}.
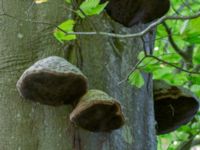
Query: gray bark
{"type": "Point", "coordinates": [26, 125]}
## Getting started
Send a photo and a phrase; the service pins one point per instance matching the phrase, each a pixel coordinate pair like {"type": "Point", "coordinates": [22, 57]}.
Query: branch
{"type": "Point", "coordinates": [145, 31]}
{"type": "Point", "coordinates": [132, 70]}
{"type": "Point", "coordinates": [191, 142]}
{"type": "Point", "coordinates": [139, 34]}
{"type": "Point", "coordinates": [172, 65]}
{"type": "Point", "coordinates": [159, 60]}
{"type": "Point", "coordinates": [172, 42]}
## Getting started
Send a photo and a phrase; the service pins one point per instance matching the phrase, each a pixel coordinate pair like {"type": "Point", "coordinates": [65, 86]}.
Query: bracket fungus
{"type": "Point", "coordinates": [97, 112]}
{"type": "Point", "coordinates": [131, 12]}
{"type": "Point", "coordinates": [174, 106]}
{"type": "Point", "coordinates": [52, 81]}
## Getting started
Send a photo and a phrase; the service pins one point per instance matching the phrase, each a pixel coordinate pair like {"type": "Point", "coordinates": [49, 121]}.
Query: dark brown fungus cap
{"type": "Point", "coordinates": [131, 12]}
{"type": "Point", "coordinates": [97, 112]}
{"type": "Point", "coordinates": [174, 106]}
{"type": "Point", "coordinates": [52, 81]}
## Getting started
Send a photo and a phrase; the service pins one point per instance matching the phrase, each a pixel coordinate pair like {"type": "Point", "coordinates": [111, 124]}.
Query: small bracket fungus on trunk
{"type": "Point", "coordinates": [52, 81]}
{"type": "Point", "coordinates": [131, 12]}
{"type": "Point", "coordinates": [97, 112]}
{"type": "Point", "coordinates": [174, 106]}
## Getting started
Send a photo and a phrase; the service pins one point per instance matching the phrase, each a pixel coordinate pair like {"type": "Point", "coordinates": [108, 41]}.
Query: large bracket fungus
{"type": "Point", "coordinates": [174, 106]}
{"type": "Point", "coordinates": [52, 81]}
{"type": "Point", "coordinates": [97, 112]}
{"type": "Point", "coordinates": [131, 12]}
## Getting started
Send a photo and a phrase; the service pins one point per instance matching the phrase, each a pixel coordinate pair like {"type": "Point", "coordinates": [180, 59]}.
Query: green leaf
{"type": "Point", "coordinates": [174, 79]}
{"type": "Point", "coordinates": [69, 1]}
{"type": "Point", "coordinates": [91, 7]}
{"type": "Point", "coordinates": [194, 79]}
{"type": "Point", "coordinates": [173, 58]}
{"type": "Point", "coordinates": [136, 79]}
{"type": "Point", "coordinates": [141, 55]}
{"type": "Point", "coordinates": [193, 38]}
{"type": "Point", "coordinates": [196, 89]}
{"type": "Point", "coordinates": [191, 34]}
{"type": "Point", "coordinates": [196, 55]}
{"type": "Point", "coordinates": [148, 61]}
{"type": "Point", "coordinates": [61, 32]}
{"type": "Point", "coordinates": [161, 71]}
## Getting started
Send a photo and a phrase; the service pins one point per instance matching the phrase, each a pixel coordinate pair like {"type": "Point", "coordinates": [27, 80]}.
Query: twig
{"type": "Point", "coordinates": [139, 34]}
{"type": "Point", "coordinates": [145, 31]}
{"type": "Point", "coordinates": [132, 70]}
{"type": "Point", "coordinates": [172, 65]}
{"type": "Point", "coordinates": [160, 60]}
{"type": "Point", "coordinates": [172, 42]}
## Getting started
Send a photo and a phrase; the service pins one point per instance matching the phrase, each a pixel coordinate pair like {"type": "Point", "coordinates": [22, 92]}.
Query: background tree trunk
{"type": "Point", "coordinates": [105, 61]}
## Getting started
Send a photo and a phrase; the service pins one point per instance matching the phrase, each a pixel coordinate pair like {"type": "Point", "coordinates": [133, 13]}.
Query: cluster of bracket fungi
{"type": "Point", "coordinates": [54, 81]}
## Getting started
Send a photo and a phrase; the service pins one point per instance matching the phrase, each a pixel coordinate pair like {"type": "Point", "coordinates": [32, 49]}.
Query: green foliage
{"type": "Point", "coordinates": [196, 55]}
{"type": "Point", "coordinates": [90, 8]}
{"type": "Point", "coordinates": [136, 79]}
{"type": "Point", "coordinates": [64, 32]}
{"type": "Point", "coordinates": [61, 32]}
{"type": "Point", "coordinates": [175, 140]}
{"type": "Point", "coordinates": [185, 33]}
{"type": "Point", "coordinates": [191, 31]}
{"type": "Point", "coordinates": [196, 89]}
{"type": "Point", "coordinates": [69, 1]}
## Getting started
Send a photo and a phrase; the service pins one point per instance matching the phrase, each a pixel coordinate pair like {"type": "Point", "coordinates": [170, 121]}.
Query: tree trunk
{"type": "Point", "coordinates": [105, 61]}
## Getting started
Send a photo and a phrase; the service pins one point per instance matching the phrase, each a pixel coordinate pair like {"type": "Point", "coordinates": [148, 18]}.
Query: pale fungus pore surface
{"type": "Point", "coordinates": [131, 12]}
{"type": "Point", "coordinates": [174, 106]}
{"type": "Point", "coordinates": [97, 112]}
{"type": "Point", "coordinates": [52, 81]}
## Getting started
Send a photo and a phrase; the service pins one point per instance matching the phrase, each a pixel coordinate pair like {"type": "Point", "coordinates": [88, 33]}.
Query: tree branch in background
{"type": "Point", "coordinates": [145, 31]}
{"type": "Point", "coordinates": [191, 142]}
{"type": "Point", "coordinates": [172, 65]}
{"type": "Point", "coordinates": [159, 60]}
{"type": "Point", "coordinates": [174, 45]}
{"type": "Point", "coordinates": [186, 54]}
{"type": "Point", "coordinates": [132, 70]}
{"type": "Point", "coordinates": [139, 34]}
{"type": "Point", "coordinates": [181, 7]}
{"type": "Point", "coordinates": [171, 40]}
{"type": "Point", "coordinates": [189, 53]}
